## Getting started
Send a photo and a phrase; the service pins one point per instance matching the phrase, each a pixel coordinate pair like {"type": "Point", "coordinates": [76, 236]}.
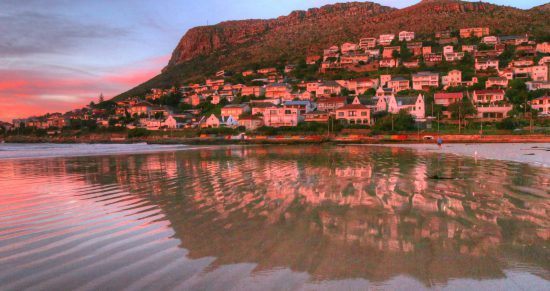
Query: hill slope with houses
{"type": "Point", "coordinates": [237, 45]}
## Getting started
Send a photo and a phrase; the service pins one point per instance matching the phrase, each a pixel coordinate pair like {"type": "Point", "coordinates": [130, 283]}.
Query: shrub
{"type": "Point", "coordinates": [138, 132]}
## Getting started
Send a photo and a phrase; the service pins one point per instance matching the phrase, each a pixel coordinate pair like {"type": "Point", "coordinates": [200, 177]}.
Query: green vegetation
{"type": "Point", "coordinates": [402, 121]}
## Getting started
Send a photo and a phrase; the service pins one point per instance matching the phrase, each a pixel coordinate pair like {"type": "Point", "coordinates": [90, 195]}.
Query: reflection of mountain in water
{"type": "Point", "coordinates": [346, 212]}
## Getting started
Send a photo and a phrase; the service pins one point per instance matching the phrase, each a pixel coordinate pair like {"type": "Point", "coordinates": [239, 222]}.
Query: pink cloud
{"type": "Point", "coordinates": [32, 92]}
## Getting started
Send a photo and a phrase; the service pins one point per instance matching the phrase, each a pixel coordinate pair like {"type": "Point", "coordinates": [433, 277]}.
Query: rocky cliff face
{"type": "Point", "coordinates": [311, 30]}
{"type": "Point", "coordinates": [207, 39]}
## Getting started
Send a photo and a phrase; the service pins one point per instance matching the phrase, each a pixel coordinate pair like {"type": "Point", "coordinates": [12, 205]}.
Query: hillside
{"type": "Point", "coordinates": [235, 45]}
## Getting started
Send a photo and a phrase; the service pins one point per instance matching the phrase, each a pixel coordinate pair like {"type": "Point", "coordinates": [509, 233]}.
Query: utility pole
{"type": "Point", "coordinates": [459, 115]}
{"type": "Point", "coordinates": [481, 132]}
{"type": "Point", "coordinates": [391, 122]}
{"type": "Point", "coordinates": [328, 127]}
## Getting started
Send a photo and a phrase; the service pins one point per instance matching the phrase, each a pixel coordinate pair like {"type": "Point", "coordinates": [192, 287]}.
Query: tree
{"type": "Point", "coordinates": [101, 98]}
{"type": "Point", "coordinates": [462, 108]}
{"type": "Point", "coordinates": [517, 94]}
{"type": "Point", "coordinates": [402, 121]}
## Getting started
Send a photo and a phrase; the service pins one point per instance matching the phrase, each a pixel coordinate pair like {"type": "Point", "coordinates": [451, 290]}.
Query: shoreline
{"type": "Point", "coordinates": [426, 138]}
{"type": "Point", "coordinates": [536, 154]}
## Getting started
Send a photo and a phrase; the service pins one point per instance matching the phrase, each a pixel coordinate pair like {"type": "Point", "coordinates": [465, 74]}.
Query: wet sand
{"type": "Point", "coordinates": [537, 154]}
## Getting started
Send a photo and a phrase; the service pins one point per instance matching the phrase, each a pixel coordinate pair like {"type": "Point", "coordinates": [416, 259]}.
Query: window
{"type": "Point", "coordinates": [341, 114]}
{"type": "Point", "coordinates": [363, 113]}
{"type": "Point", "coordinates": [352, 113]}
{"type": "Point", "coordinates": [288, 112]}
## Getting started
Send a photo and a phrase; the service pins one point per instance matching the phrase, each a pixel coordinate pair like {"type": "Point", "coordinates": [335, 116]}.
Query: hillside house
{"type": "Point", "coordinates": [312, 60]}
{"type": "Point", "coordinates": [302, 106]}
{"type": "Point", "coordinates": [255, 91]}
{"type": "Point", "coordinates": [514, 39]}
{"type": "Point", "coordinates": [536, 73]}
{"type": "Point", "coordinates": [327, 89]}
{"type": "Point", "coordinates": [537, 85]}
{"type": "Point", "coordinates": [235, 110]}
{"type": "Point", "coordinates": [359, 85]}
{"type": "Point", "coordinates": [387, 52]}
{"type": "Point", "coordinates": [215, 84]}
{"type": "Point", "coordinates": [448, 49]}
{"type": "Point", "coordinates": [281, 116]}
{"type": "Point", "coordinates": [443, 34]}
{"type": "Point", "coordinates": [425, 80]}
{"type": "Point", "coordinates": [543, 48]}
{"type": "Point", "coordinates": [454, 56]}
{"type": "Point", "coordinates": [330, 104]}
{"type": "Point", "coordinates": [490, 40]}
{"type": "Point", "coordinates": [373, 53]}
{"type": "Point", "coordinates": [496, 82]}
{"type": "Point", "coordinates": [316, 116]}
{"type": "Point", "coordinates": [413, 105]}
{"type": "Point", "coordinates": [278, 90]}
{"type": "Point", "coordinates": [412, 64]}
{"type": "Point", "coordinates": [386, 39]}
{"type": "Point", "coordinates": [446, 99]}
{"type": "Point", "coordinates": [354, 114]}
{"type": "Point", "coordinates": [367, 43]}
{"type": "Point", "coordinates": [433, 58]}
{"type": "Point", "coordinates": [522, 62]}
{"type": "Point", "coordinates": [474, 32]}
{"type": "Point", "coordinates": [544, 61]}
{"type": "Point", "coordinates": [384, 92]}
{"type": "Point", "coordinates": [399, 84]}
{"type": "Point", "coordinates": [141, 108]}
{"type": "Point", "coordinates": [248, 73]}
{"type": "Point", "coordinates": [214, 121]}
{"type": "Point", "coordinates": [266, 71]}
{"type": "Point", "coordinates": [469, 48]}
{"type": "Point", "coordinates": [354, 58]}
{"type": "Point", "coordinates": [406, 35]}
{"type": "Point", "coordinates": [493, 112]}
{"type": "Point", "coordinates": [426, 50]}
{"type": "Point", "coordinates": [348, 47]}
{"type": "Point", "coordinates": [415, 48]}
{"type": "Point", "coordinates": [389, 63]}
{"type": "Point", "coordinates": [488, 96]}
{"type": "Point", "coordinates": [452, 79]}
{"type": "Point", "coordinates": [484, 64]}
{"type": "Point", "coordinates": [542, 105]}
{"type": "Point", "coordinates": [251, 122]}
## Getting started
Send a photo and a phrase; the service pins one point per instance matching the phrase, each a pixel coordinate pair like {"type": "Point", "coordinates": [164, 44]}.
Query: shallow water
{"type": "Point", "coordinates": [274, 217]}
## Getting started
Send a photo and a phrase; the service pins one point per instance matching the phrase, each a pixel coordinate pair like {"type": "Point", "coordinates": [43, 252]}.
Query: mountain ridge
{"type": "Point", "coordinates": [240, 44]}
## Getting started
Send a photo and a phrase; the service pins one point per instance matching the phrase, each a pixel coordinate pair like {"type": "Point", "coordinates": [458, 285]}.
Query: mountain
{"type": "Point", "coordinates": [235, 45]}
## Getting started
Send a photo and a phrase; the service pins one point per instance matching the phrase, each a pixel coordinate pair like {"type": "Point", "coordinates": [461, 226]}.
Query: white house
{"type": "Point", "coordinates": [214, 121]}
{"type": "Point", "coordinates": [406, 35]}
{"type": "Point", "coordinates": [386, 39]}
{"type": "Point", "coordinates": [281, 116]}
{"type": "Point", "coordinates": [423, 80]}
{"type": "Point", "coordinates": [413, 105]}
{"type": "Point", "coordinates": [452, 79]}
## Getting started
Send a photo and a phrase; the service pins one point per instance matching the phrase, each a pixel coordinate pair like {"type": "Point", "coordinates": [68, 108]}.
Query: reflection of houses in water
{"type": "Point", "coordinates": [261, 204]}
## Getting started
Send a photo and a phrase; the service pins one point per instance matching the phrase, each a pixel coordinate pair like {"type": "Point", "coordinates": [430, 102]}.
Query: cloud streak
{"type": "Point", "coordinates": [24, 33]}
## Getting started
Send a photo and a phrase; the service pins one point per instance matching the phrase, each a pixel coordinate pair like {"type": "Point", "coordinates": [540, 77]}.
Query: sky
{"type": "Point", "coordinates": [58, 55]}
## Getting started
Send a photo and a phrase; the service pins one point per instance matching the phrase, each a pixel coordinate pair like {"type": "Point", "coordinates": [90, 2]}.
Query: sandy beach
{"type": "Point", "coordinates": [537, 154]}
